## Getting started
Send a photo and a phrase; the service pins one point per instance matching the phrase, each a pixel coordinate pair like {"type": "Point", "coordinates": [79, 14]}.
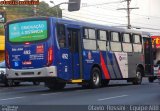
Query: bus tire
{"type": "Point", "coordinates": [61, 85]}
{"type": "Point", "coordinates": [9, 83]}
{"type": "Point", "coordinates": [36, 83]}
{"type": "Point", "coordinates": [16, 83]}
{"type": "Point", "coordinates": [105, 83]}
{"type": "Point", "coordinates": [95, 81]}
{"type": "Point", "coordinates": [138, 79]}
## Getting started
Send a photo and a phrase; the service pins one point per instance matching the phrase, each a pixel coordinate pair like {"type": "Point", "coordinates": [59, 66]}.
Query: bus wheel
{"type": "Point", "coordinates": [151, 79]}
{"type": "Point", "coordinates": [16, 83]}
{"type": "Point", "coordinates": [9, 83]}
{"type": "Point", "coordinates": [36, 83]}
{"type": "Point", "coordinates": [105, 83]}
{"type": "Point", "coordinates": [61, 85]}
{"type": "Point", "coordinates": [95, 81]}
{"type": "Point", "coordinates": [138, 79]}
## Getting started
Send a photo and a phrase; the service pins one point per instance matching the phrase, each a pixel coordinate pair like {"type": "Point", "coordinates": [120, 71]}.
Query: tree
{"type": "Point", "coordinates": [45, 10]}
{"type": "Point", "coordinates": [23, 11]}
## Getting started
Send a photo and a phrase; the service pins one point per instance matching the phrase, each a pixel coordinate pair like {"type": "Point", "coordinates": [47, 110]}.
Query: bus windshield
{"type": "Point", "coordinates": [28, 31]}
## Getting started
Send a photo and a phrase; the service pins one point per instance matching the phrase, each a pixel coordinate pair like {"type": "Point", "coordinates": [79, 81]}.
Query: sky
{"type": "Point", "coordinates": [105, 12]}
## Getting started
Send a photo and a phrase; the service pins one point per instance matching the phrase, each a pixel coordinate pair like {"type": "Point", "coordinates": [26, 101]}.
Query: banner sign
{"type": "Point", "coordinates": [28, 31]}
{"type": "Point", "coordinates": [157, 40]}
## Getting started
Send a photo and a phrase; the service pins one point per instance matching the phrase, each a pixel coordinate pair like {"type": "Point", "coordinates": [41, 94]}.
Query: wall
{"type": "Point", "coordinates": [2, 48]}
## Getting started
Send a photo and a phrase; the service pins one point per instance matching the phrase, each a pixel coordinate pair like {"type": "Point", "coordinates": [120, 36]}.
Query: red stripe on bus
{"type": "Point", "coordinates": [104, 68]}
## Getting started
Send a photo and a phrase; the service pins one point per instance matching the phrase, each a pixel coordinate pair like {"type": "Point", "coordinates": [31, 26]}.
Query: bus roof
{"type": "Point", "coordinates": [85, 24]}
{"type": "Point", "coordinates": [105, 27]}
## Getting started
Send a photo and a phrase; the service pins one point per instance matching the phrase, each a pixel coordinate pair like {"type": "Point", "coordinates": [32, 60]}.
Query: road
{"type": "Point", "coordinates": [118, 92]}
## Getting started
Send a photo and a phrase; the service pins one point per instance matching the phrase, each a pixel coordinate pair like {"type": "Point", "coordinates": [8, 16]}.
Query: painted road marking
{"type": "Point", "coordinates": [112, 97]}
{"type": "Point", "coordinates": [49, 94]}
{"type": "Point", "coordinates": [11, 98]}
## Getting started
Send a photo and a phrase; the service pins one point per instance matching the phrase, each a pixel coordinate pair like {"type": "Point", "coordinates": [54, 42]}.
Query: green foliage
{"type": "Point", "coordinates": [45, 10]}
{"type": "Point", "coordinates": [23, 11]}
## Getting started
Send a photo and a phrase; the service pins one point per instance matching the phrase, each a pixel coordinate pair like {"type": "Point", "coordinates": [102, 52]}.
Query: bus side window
{"type": "Point", "coordinates": [115, 42]}
{"type": "Point", "coordinates": [89, 39]}
{"type": "Point", "coordinates": [127, 44]}
{"type": "Point", "coordinates": [102, 38]}
{"type": "Point", "coordinates": [137, 46]}
{"type": "Point", "coordinates": [61, 35]}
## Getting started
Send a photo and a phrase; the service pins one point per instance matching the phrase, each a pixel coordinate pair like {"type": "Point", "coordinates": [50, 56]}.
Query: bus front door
{"type": "Point", "coordinates": [75, 53]}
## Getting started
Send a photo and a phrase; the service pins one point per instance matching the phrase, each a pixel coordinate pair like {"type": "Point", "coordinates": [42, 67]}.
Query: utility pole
{"type": "Point", "coordinates": [128, 9]}
{"type": "Point", "coordinates": [128, 14]}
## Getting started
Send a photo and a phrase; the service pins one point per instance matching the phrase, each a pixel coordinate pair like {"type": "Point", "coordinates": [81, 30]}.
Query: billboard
{"type": "Point", "coordinates": [28, 31]}
{"type": "Point", "coordinates": [156, 39]}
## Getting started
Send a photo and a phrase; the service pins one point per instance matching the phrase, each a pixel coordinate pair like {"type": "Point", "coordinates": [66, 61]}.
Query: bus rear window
{"type": "Point", "coordinates": [28, 31]}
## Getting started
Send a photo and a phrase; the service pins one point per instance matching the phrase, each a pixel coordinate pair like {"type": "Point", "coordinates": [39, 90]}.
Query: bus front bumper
{"type": "Point", "coordinates": [32, 73]}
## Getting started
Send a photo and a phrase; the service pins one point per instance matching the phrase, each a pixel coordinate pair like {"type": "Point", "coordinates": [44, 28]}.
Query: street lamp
{"type": "Point", "coordinates": [60, 4]}
{"type": "Point", "coordinates": [54, 7]}
{"type": "Point", "coordinates": [57, 6]}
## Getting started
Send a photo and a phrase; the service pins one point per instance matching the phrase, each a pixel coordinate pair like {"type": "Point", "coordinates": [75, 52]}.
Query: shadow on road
{"type": "Point", "coordinates": [75, 88]}
{"type": "Point", "coordinates": [29, 88]}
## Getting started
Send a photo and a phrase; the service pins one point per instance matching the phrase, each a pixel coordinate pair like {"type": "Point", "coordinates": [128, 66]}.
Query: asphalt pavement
{"type": "Point", "coordinates": [117, 92]}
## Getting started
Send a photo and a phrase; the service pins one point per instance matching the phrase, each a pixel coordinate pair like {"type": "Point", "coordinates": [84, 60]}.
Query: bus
{"type": "Point", "coordinates": [58, 51]}
{"type": "Point", "coordinates": [156, 57]}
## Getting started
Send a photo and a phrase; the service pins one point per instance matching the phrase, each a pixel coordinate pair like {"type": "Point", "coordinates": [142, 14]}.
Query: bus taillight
{"type": "Point", "coordinates": [27, 43]}
{"type": "Point", "coordinates": [50, 56]}
{"type": "Point", "coordinates": [7, 59]}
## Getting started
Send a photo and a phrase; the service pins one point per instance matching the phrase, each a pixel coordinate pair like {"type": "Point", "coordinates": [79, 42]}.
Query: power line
{"type": "Point", "coordinates": [128, 12]}
{"type": "Point", "coordinates": [123, 25]}
{"type": "Point", "coordinates": [86, 5]}
{"type": "Point", "coordinates": [106, 15]}
{"type": "Point", "coordinates": [103, 16]}
{"type": "Point", "coordinates": [114, 10]}
{"type": "Point", "coordinates": [116, 18]}
{"type": "Point", "coordinates": [148, 16]}
{"type": "Point", "coordinates": [95, 19]}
